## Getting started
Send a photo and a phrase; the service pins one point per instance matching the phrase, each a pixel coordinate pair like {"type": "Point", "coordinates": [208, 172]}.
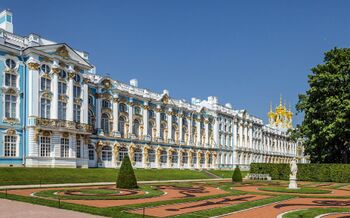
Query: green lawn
{"type": "Point", "coordinates": [299, 191]}
{"type": "Point", "coordinates": [226, 173]}
{"type": "Point", "coordinates": [23, 176]}
{"type": "Point", "coordinates": [310, 213]}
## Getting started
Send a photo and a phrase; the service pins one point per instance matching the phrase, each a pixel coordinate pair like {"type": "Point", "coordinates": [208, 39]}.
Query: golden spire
{"type": "Point", "coordinates": [270, 106]}
{"type": "Point", "coordinates": [280, 100]}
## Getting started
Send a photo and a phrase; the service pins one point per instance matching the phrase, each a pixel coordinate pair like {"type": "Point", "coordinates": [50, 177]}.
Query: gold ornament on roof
{"type": "Point", "coordinates": [63, 52]}
{"type": "Point", "coordinates": [281, 117]}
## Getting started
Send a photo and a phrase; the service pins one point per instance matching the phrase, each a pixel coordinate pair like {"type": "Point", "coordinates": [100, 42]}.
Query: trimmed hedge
{"type": "Point", "coordinates": [306, 172]}
{"type": "Point", "coordinates": [237, 176]}
{"type": "Point", "coordinates": [126, 177]}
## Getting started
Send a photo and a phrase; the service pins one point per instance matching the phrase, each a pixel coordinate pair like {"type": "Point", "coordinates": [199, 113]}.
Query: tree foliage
{"type": "Point", "coordinates": [237, 176]}
{"type": "Point", "coordinates": [126, 177]}
{"type": "Point", "coordinates": [326, 107]}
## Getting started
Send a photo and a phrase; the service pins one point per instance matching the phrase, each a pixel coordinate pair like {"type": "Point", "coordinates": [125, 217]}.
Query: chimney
{"type": "Point", "coordinates": [6, 20]}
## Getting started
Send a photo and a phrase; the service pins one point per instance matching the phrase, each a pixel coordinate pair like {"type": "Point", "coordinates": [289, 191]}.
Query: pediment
{"type": "Point", "coordinates": [62, 51]}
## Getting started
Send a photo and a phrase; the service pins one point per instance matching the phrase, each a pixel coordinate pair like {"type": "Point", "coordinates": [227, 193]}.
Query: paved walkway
{"type": "Point", "coordinates": [14, 209]}
{"type": "Point", "coordinates": [106, 183]}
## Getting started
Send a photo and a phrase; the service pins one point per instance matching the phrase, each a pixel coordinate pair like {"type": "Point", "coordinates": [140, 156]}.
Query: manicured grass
{"type": "Point", "coordinates": [98, 191]}
{"type": "Point", "coordinates": [299, 191]}
{"type": "Point", "coordinates": [149, 190]}
{"type": "Point", "coordinates": [226, 173]}
{"type": "Point", "coordinates": [310, 213]}
{"type": "Point", "coordinates": [26, 176]}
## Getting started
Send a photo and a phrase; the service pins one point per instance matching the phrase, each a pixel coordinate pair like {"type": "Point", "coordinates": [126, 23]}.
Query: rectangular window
{"type": "Point", "coordinates": [10, 146]}
{"type": "Point", "coordinates": [91, 155]}
{"type": "Point", "coordinates": [62, 110]}
{"type": "Point", "coordinates": [45, 146]}
{"type": "Point", "coordinates": [10, 106]}
{"type": "Point", "coordinates": [45, 84]}
{"type": "Point", "coordinates": [45, 108]}
{"type": "Point", "coordinates": [62, 88]}
{"type": "Point", "coordinates": [64, 147]}
{"type": "Point", "coordinates": [10, 80]}
{"type": "Point", "coordinates": [76, 91]}
{"type": "Point", "coordinates": [76, 113]}
{"type": "Point", "coordinates": [78, 148]}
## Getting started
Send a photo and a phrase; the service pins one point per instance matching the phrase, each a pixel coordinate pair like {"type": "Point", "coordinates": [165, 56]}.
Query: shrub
{"type": "Point", "coordinates": [306, 172]}
{"type": "Point", "coordinates": [126, 177]}
{"type": "Point", "coordinates": [237, 176]}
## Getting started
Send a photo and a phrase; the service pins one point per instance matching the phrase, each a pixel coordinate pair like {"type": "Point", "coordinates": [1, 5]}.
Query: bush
{"type": "Point", "coordinates": [126, 177]}
{"type": "Point", "coordinates": [237, 176]}
{"type": "Point", "coordinates": [306, 172]}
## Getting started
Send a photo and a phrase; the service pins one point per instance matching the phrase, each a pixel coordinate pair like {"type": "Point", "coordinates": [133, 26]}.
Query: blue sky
{"type": "Point", "coordinates": [245, 52]}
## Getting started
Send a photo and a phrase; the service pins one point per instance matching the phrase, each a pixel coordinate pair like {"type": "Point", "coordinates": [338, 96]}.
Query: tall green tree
{"type": "Point", "coordinates": [326, 107]}
{"type": "Point", "coordinates": [126, 177]}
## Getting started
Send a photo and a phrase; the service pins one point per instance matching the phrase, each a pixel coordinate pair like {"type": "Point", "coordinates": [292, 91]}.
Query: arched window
{"type": "Point", "coordinates": [138, 155]}
{"type": "Point", "coordinates": [45, 84]}
{"type": "Point", "coordinates": [10, 106]}
{"type": "Point", "coordinates": [106, 104]}
{"type": "Point", "coordinates": [76, 91]}
{"type": "Point", "coordinates": [63, 74]}
{"type": "Point", "coordinates": [11, 64]}
{"type": "Point", "coordinates": [174, 119]}
{"type": "Point", "coordinates": [91, 117]}
{"type": "Point", "coordinates": [136, 127]}
{"type": "Point", "coordinates": [163, 157]}
{"type": "Point", "coordinates": [62, 88]}
{"type": "Point", "coordinates": [202, 160]}
{"type": "Point", "coordinates": [91, 100]}
{"type": "Point", "coordinates": [184, 131]}
{"type": "Point", "coordinates": [174, 157]}
{"type": "Point", "coordinates": [62, 108]}
{"type": "Point", "coordinates": [162, 116]}
{"type": "Point", "coordinates": [121, 126]}
{"type": "Point", "coordinates": [150, 114]}
{"type": "Point", "coordinates": [185, 157]}
{"type": "Point", "coordinates": [122, 153]}
{"type": "Point", "coordinates": [194, 158]}
{"type": "Point", "coordinates": [173, 132]}
{"type": "Point", "coordinates": [150, 128]}
{"type": "Point", "coordinates": [122, 107]}
{"type": "Point", "coordinates": [45, 68]}
{"type": "Point", "coordinates": [210, 161]}
{"type": "Point", "coordinates": [137, 110]}
{"type": "Point", "coordinates": [106, 153]}
{"type": "Point", "coordinates": [105, 123]}
{"type": "Point", "coordinates": [10, 80]}
{"type": "Point", "coordinates": [45, 146]}
{"type": "Point", "coordinates": [45, 107]}
{"type": "Point", "coordinates": [77, 78]}
{"type": "Point", "coordinates": [151, 156]}
{"type": "Point", "coordinates": [91, 149]}
{"type": "Point", "coordinates": [76, 112]}
{"type": "Point", "coordinates": [10, 146]}
{"type": "Point", "coordinates": [162, 131]}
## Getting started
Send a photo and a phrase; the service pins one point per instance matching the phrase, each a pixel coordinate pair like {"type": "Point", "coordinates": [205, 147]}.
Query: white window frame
{"type": "Point", "coordinates": [78, 148]}
{"type": "Point", "coordinates": [11, 106]}
{"type": "Point", "coordinates": [76, 113]}
{"type": "Point", "coordinates": [62, 110]}
{"type": "Point", "coordinates": [45, 146]}
{"type": "Point", "coordinates": [13, 145]}
{"type": "Point", "coordinates": [64, 147]}
{"type": "Point", "coordinates": [47, 112]}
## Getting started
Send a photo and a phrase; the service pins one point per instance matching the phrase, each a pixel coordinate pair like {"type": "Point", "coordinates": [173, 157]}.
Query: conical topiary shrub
{"type": "Point", "coordinates": [237, 176]}
{"type": "Point", "coordinates": [126, 177]}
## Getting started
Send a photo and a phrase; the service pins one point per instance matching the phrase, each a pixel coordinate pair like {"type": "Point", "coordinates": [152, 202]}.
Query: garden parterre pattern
{"type": "Point", "coordinates": [183, 208]}
{"type": "Point", "coordinates": [336, 215]}
{"type": "Point", "coordinates": [273, 210]}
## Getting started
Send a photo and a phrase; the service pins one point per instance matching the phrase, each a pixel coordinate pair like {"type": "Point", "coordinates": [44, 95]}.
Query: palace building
{"type": "Point", "coordinates": [56, 111]}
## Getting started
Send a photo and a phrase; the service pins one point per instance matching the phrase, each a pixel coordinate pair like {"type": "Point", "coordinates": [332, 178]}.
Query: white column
{"type": "Point", "coordinates": [85, 104]}
{"type": "Point", "coordinates": [250, 133]}
{"type": "Point", "coordinates": [216, 132]}
{"type": "Point", "coordinates": [70, 102]}
{"type": "Point", "coordinates": [130, 107]}
{"type": "Point", "coordinates": [170, 125]}
{"type": "Point", "coordinates": [235, 133]}
{"type": "Point", "coordinates": [98, 111]}
{"type": "Point", "coordinates": [198, 126]}
{"type": "Point", "coordinates": [246, 135]}
{"type": "Point", "coordinates": [115, 111]}
{"type": "Point", "coordinates": [180, 127]}
{"type": "Point", "coordinates": [158, 110]}
{"type": "Point", "coordinates": [189, 130]}
{"type": "Point", "coordinates": [33, 83]}
{"type": "Point", "coordinates": [241, 134]}
{"type": "Point", "coordinates": [145, 119]}
{"type": "Point", "coordinates": [206, 126]}
{"type": "Point", "coordinates": [54, 87]}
